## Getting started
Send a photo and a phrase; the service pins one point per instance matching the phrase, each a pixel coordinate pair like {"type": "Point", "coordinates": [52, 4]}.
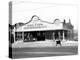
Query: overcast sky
{"type": "Point", "coordinates": [23, 11]}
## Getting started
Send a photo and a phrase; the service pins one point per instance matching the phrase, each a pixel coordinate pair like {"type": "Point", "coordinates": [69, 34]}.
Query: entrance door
{"type": "Point", "coordinates": [40, 36]}
{"type": "Point", "coordinates": [56, 35]}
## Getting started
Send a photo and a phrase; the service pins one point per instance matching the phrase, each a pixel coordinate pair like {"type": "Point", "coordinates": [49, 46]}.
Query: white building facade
{"type": "Point", "coordinates": [39, 30]}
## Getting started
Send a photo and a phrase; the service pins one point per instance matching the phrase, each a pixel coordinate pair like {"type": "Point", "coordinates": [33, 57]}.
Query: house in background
{"type": "Point", "coordinates": [70, 27]}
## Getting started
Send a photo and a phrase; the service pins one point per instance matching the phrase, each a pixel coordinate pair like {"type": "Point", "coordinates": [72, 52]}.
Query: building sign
{"type": "Point", "coordinates": [33, 26]}
{"type": "Point", "coordinates": [37, 25]}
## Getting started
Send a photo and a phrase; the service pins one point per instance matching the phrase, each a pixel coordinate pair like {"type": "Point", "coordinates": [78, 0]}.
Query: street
{"type": "Point", "coordinates": [28, 52]}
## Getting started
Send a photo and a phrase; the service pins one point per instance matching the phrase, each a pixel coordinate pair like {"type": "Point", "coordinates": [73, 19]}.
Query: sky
{"type": "Point", "coordinates": [23, 11]}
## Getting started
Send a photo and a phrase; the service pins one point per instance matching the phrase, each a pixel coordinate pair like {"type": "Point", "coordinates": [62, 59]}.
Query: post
{"type": "Point", "coordinates": [63, 36]}
{"type": "Point", "coordinates": [23, 35]}
{"type": "Point", "coordinates": [14, 34]}
{"type": "Point", "coordinates": [53, 36]}
{"type": "Point", "coordinates": [68, 35]}
{"type": "Point", "coordinates": [28, 36]}
{"type": "Point", "coordinates": [59, 35]}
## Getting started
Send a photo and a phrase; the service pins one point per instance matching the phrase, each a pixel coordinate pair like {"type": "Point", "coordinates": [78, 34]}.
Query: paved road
{"type": "Point", "coordinates": [44, 51]}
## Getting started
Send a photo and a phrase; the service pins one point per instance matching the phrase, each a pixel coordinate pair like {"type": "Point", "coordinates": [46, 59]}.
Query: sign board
{"type": "Point", "coordinates": [37, 25]}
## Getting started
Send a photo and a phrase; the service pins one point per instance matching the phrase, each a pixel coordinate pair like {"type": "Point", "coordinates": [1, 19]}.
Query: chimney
{"type": "Point", "coordinates": [69, 21]}
{"type": "Point", "coordinates": [64, 21]}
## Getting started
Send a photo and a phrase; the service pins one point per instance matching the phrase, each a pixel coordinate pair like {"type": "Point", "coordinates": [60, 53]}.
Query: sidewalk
{"type": "Point", "coordinates": [47, 43]}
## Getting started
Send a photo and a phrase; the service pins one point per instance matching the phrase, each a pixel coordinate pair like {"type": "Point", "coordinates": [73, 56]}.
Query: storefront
{"type": "Point", "coordinates": [39, 30]}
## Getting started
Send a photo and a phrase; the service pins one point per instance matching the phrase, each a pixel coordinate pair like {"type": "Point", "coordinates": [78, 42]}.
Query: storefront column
{"type": "Point", "coordinates": [68, 35]}
{"type": "Point", "coordinates": [53, 36]}
{"type": "Point", "coordinates": [22, 35]}
{"type": "Point", "coordinates": [59, 35]}
{"type": "Point", "coordinates": [28, 36]}
{"type": "Point", "coordinates": [14, 34]}
{"type": "Point", "coordinates": [63, 36]}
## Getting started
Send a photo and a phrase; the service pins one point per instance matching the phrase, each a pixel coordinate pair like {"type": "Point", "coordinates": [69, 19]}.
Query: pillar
{"type": "Point", "coordinates": [22, 35]}
{"type": "Point", "coordinates": [14, 34]}
{"type": "Point", "coordinates": [68, 35]}
{"type": "Point", "coordinates": [28, 36]}
{"type": "Point", "coordinates": [53, 36]}
{"type": "Point", "coordinates": [59, 35]}
{"type": "Point", "coordinates": [63, 36]}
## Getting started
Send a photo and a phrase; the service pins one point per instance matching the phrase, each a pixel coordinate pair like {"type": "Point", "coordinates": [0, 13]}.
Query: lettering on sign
{"type": "Point", "coordinates": [32, 26]}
